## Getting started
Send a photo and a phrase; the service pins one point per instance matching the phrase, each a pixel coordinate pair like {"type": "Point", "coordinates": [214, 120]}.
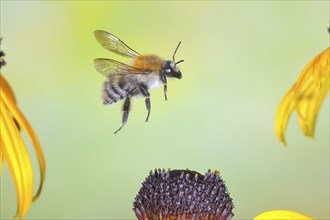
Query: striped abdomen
{"type": "Point", "coordinates": [113, 91]}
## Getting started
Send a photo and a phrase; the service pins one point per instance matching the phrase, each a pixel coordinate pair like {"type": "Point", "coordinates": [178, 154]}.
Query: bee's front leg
{"type": "Point", "coordinates": [164, 81]}
{"type": "Point", "coordinates": [144, 91]}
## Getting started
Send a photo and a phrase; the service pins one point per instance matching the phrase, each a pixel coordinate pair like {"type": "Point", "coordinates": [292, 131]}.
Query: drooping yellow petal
{"type": "Point", "coordinates": [9, 92]}
{"type": "Point", "coordinates": [17, 159]}
{"type": "Point", "coordinates": [283, 114]}
{"type": "Point", "coordinates": [7, 89]}
{"type": "Point", "coordinates": [310, 104]}
{"type": "Point", "coordinates": [24, 124]}
{"type": "Point", "coordinates": [13, 163]}
{"type": "Point", "coordinates": [310, 90]}
{"type": "Point", "coordinates": [13, 149]}
{"type": "Point", "coordinates": [282, 215]}
{"type": "Point", "coordinates": [305, 96]}
{"type": "Point", "coordinates": [316, 70]}
{"type": "Point", "coordinates": [1, 158]}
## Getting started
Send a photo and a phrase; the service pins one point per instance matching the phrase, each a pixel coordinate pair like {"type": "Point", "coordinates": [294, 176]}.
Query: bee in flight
{"type": "Point", "coordinates": [126, 81]}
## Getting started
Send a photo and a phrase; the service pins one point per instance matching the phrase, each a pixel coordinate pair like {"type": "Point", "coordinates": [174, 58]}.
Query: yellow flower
{"type": "Point", "coordinates": [282, 214]}
{"type": "Point", "coordinates": [13, 150]}
{"type": "Point", "coordinates": [305, 96]}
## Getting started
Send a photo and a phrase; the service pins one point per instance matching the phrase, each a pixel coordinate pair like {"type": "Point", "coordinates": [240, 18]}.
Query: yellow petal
{"type": "Point", "coordinates": [310, 91]}
{"type": "Point", "coordinates": [11, 96]}
{"type": "Point", "coordinates": [17, 159]}
{"type": "Point", "coordinates": [283, 114]}
{"type": "Point", "coordinates": [24, 124]}
{"type": "Point", "coordinates": [310, 104]}
{"type": "Point", "coordinates": [314, 71]}
{"type": "Point", "coordinates": [282, 214]}
{"type": "Point", "coordinates": [7, 89]}
{"type": "Point", "coordinates": [1, 158]}
{"type": "Point", "coordinates": [305, 96]}
{"type": "Point", "coordinates": [13, 149]}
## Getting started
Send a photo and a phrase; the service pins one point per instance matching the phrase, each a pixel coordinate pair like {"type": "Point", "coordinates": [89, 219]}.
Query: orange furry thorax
{"type": "Point", "coordinates": [148, 62]}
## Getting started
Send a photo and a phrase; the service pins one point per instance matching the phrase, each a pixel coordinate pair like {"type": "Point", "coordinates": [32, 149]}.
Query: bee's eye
{"type": "Point", "coordinates": [168, 70]}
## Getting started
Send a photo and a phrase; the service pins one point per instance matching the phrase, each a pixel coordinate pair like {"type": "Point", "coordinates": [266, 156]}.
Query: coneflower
{"type": "Point", "coordinates": [183, 195]}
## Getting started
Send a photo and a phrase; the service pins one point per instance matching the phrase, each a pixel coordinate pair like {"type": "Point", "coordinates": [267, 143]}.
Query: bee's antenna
{"type": "Point", "coordinates": [176, 51]}
{"type": "Point", "coordinates": [179, 62]}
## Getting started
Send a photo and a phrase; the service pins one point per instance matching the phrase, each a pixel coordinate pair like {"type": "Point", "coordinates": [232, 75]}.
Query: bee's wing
{"type": "Point", "coordinates": [108, 67]}
{"type": "Point", "coordinates": [114, 44]}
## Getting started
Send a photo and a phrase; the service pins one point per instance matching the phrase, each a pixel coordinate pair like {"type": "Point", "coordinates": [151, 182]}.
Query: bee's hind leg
{"type": "Point", "coordinates": [126, 109]}
{"type": "Point", "coordinates": [144, 91]}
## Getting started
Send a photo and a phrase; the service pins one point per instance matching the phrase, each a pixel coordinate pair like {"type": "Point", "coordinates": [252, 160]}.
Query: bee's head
{"type": "Point", "coordinates": [172, 70]}
{"type": "Point", "coordinates": [171, 67]}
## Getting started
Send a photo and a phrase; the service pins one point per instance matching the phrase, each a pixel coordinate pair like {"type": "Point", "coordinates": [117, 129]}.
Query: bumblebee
{"type": "Point", "coordinates": [146, 72]}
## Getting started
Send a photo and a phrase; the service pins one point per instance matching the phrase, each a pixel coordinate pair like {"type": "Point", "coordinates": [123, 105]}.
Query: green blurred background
{"type": "Point", "coordinates": [240, 59]}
